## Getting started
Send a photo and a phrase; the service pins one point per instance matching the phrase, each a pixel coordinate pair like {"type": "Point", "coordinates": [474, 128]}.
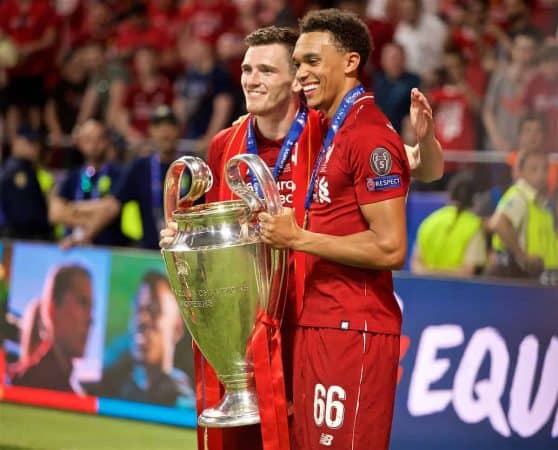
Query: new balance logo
{"type": "Point", "coordinates": [326, 439]}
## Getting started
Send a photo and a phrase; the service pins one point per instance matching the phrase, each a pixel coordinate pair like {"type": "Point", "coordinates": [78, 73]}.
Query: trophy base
{"type": "Point", "coordinates": [237, 409]}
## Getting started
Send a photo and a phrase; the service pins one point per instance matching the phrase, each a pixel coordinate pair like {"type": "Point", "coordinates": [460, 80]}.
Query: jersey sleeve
{"type": "Point", "coordinates": [379, 165]}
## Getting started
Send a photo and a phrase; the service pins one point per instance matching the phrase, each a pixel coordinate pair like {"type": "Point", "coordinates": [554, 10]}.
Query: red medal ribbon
{"type": "Point", "coordinates": [270, 384]}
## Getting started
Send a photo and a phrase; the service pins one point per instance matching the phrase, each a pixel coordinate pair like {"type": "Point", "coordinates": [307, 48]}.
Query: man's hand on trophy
{"type": "Point", "coordinates": [280, 231]}
{"type": "Point", "coordinates": [167, 234]}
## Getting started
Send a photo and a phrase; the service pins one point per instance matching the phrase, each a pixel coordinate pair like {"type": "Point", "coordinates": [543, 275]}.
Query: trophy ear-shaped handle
{"type": "Point", "coordinates": [271, 201]}
{"type": "Point", "coordinates": [202, 180]}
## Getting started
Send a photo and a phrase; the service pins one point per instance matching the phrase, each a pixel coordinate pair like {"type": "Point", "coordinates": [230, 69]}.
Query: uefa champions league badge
{"type": "Point", "coordinates": [380, 161]}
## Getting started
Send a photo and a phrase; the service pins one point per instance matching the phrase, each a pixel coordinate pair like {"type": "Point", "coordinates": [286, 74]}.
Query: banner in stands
{"type": "Point", "coordinates": [98, 331]}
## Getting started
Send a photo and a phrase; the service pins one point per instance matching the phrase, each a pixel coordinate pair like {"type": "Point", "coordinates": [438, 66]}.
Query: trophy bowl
{"type": "Point", "coordinates": [223, 276]}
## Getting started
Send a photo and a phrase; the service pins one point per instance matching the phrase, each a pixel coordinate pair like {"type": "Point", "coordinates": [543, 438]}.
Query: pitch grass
{"type": "Point", "coordinates": [29, 428]}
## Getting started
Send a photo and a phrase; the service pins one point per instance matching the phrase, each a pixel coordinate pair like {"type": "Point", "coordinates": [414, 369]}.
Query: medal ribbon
{"type": "Point", "coordinates": [338, 119]}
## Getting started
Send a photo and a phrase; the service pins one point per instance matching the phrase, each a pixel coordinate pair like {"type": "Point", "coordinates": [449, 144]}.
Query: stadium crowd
{"type": "Point", "coordinates": [97, 96]}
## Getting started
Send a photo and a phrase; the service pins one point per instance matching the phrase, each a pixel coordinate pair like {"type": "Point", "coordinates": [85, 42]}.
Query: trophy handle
{"type": "Point", "coordinates": [202, 180]}
{"type": "Point", "coordinates": [271, 201]}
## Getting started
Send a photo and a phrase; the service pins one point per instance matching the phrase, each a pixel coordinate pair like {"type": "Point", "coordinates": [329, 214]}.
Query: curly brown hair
{"type": "Point", "coordinates": [349, 31]}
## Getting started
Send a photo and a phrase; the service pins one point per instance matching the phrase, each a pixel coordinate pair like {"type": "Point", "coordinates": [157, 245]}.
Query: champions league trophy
{"type": "Point", "coordinates": [224, 276]}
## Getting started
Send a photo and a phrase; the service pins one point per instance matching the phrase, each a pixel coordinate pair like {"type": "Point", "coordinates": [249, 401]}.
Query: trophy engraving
{"type": "Point", "coordinates": [224, 276]}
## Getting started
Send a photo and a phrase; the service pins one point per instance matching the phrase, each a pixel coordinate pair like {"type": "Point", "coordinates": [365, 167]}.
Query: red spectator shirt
{"type": "Point", "coordinates": [128, 38]}
{"type": "Point", "coordinates": [366, 163]}
{"type": "Point", "coordinates": [454, 121]}
{"type": "Point", "coordinates": [140, 102]}
{"type": "Point", "coordinates": [25, 27]}
{"type": "Point", "coordinates": [208, 20]}
{"type": "Point", "coordinates": [541, 96]}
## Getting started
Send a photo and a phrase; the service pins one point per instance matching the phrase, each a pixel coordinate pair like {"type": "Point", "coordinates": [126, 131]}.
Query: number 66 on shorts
{"type": "Point", "coordinates": [346, 405]}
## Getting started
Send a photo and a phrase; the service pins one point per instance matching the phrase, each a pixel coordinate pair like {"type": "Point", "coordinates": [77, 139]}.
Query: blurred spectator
{"type": "Point", "coordinates": [96, 25]}
{"type": "Point", "coordinates": [278, 13]}
{"type": "Point", "coordinates": [518, 19]}
{"type": "Point", "coordinates": [145, 373]}
{"type": "Point", "coordinates": [135, 31]}
{"type": "Point", "coordinates": [65, 101]}
{"type": "Point", "coordinates": [502, 104]}
{"type": "Point", "coordinates": [70, 21]}
{"type": "Point", "coordinates": [148, 90]}
{"type": "Point", "coordinates": [393, 84]}
{"type": "Point", "coordinates": [23, 189]}
{"type": "Point", "coordinates": [470, 33]}
{"type": "Point", "coordinates": [422, 35]}
{"type": "Point", "coordinates": [140, 189]}
{"type": "Point", "coordinates": [107, 85]}
{"type": "Point", "coordinates": [93, 180]}
{"type": "Point", "coordinates": [451, 240]}
{"type": "Point", "coordinates": [530, 139]}
{"type": "Point", "coordinates": [204, 94]}
{"type": "Point", "coordinates": [541, 94]}
{"type": "Point", "coordinates": [30, 25]}
{"type": "Point", "coordinates": [532, 132]}
{"type": "Point", "coordinates": [381, 32]}
{"type": "Point", "coordinates": [455, 105]}
{"type": "Point", "coordinates": [66, 305]}
{"type": "Point", "coordinates": [525, 240]}
{"type": "Point", "coordinates": [208, 19]}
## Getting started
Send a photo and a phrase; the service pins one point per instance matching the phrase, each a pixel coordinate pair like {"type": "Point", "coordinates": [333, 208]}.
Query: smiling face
{"type": "Point", "coordinates": [267, 78]}
{"type": "Point", "coordinates": [321, 70]}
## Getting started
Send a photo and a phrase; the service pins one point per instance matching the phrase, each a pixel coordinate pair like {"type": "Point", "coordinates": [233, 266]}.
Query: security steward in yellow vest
{"type": "Point", "coordinates": [525, 241]}
{"type": "Point", "coordinates": [451, 240]}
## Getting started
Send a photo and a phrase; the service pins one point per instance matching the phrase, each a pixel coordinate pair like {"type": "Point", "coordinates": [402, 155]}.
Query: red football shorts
{"type": "Point", "coordinates": [344, 389]}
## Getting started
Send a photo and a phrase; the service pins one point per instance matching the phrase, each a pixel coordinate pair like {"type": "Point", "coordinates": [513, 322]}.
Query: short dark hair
{"type": "Point", "coordinates": [62, 281]}
{"type": "Point", "coordinates": [348, 30]}
{"type": "Point", "coordinates": [272, 35]}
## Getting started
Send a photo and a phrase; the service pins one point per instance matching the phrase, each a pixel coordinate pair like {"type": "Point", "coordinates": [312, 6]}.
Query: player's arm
{"type": "Point", "coordinates": [382, 247]}
{"type": "Point", "coordinates": [426, 158]}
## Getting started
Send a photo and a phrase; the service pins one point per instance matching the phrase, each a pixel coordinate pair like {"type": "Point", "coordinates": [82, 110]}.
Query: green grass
{"type": "Point", "coordinates": [30, 428]}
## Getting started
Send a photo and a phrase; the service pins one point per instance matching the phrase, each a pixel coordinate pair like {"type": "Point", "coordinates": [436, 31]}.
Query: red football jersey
{"type": "Point", "coordinates": [268, 150]}
{"type": "Point", "coordinates": [366, 163]}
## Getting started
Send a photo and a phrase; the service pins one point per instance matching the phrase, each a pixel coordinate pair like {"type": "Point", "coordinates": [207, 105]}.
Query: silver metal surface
{"type": "Point", "coordinates": [223, 276]}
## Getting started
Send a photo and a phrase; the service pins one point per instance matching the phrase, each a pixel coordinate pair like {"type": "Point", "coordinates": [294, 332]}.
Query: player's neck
{"type": "Point", "coordinates": [276, 125]}
{"type": "Point", "coordinates": [349, 84]}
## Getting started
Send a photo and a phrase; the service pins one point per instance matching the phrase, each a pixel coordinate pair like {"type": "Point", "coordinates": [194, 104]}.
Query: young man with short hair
{"type": "Point", "coordinates": [347, 339]}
